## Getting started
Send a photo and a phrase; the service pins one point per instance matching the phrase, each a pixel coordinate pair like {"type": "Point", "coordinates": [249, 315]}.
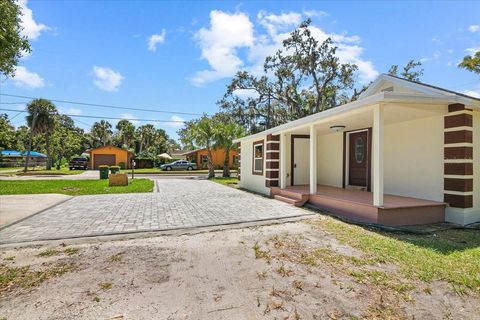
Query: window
{"type": "Point", "coordinates": [258, 157]}
{"type": "Point", "coordinates": [359, 150]}
{"type": "Point", "coordinates": [204, 158]}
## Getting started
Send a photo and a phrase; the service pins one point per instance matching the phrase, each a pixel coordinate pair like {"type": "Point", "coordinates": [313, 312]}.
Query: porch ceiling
{"type": "Point", "coordinates": [393, 113]}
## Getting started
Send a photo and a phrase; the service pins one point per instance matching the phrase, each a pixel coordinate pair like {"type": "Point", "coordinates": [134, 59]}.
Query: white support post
{"type": "Point", "coordinates": [377, 137]}
{"type": "Point", "coordinates": [313, 159]}
{"type": "Point", "coordinates": [283, 161]}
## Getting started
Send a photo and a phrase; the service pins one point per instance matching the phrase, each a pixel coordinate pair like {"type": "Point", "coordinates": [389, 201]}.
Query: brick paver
{"type": "Point", "coordinates": [176, 204]}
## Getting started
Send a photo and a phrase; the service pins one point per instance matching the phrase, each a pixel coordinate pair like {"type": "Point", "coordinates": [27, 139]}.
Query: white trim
{"type": "Point", "coordinates": [458, 144]}
{"type": "Point", "coordinates": [272, 141]}
{"type": "Point", "coordinates": [457, 176]}
{"type": "Point", "coordinates": [270, 169]}
{"type": "Point", "coordinates": [272, 160]}
{"type": "Point", "coordinates": [458, 129]}
{"type": "Point", "coordinates": [377, 155]}
{"type": "Point", "coordinates": [454, 113]}
{"type": "Point", "coordinates": [271, 179]}
{"type": "Point", "coordinates": [459, 193]}
{"type": "Point", "coordinates": [426, 95]}
{"type": "Point", "coordinates": [458, 160]}
{"type": "Point", "coordinates": [272, 151]}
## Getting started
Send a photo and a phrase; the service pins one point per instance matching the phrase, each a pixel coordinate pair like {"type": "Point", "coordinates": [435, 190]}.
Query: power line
{"type": "Point", "coordinates": [109, 118]}
{"type": "Point", "coordinates": [105, 105]}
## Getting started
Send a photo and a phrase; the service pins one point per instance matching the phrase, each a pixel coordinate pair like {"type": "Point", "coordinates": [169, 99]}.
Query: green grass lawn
{"type": "Point", "coordinates": [225, 181]}
{"type": "Point", "coordinates": [72, 187]}
{"type": "Point", "coordinates": [10, 168]}
{"type": "Point", "coordinates": [451, 255]}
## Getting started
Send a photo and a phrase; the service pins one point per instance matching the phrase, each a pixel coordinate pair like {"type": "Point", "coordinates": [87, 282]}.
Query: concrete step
{"type": "Point", "coordinates": [293, 201]}
{"type": "Point", "coordinates": [293, 195]}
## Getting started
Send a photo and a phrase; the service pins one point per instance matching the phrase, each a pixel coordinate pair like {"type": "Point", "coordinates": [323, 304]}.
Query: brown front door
{"type": "Point", "coordinates": [103, 159]}
{"type": "Point", "coordinates": [358, 159]}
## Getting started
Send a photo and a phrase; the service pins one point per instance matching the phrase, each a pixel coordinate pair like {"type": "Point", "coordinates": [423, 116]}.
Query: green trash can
{"type": "Point", "coordinates": [103, 171]}
{"type": "Point", "coordinates": [114, 169]}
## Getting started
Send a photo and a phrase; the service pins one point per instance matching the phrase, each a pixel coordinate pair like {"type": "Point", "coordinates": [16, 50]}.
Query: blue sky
{"type": "Point", "coordinates": [179, 56]}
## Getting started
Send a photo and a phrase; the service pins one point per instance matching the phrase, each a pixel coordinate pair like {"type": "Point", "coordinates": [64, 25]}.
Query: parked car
{"type": "Point", "coordinates": [179, 165]}
{"type": "Point", "coordinates": [78, 163]}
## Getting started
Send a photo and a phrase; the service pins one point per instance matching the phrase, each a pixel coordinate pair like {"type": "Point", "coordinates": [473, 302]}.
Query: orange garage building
{"type": "Point", "coordinates": [110, 156]}
{"type": "Point", "coordinates": [200, 157]}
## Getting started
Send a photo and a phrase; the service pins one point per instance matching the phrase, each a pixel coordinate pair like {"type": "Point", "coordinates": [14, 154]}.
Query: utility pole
{"type": "Point", "coordinates": [35, 114]}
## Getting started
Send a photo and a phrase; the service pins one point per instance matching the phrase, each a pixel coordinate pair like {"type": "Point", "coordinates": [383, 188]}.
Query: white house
{"type": "Point", "coordinates": [403, 153]}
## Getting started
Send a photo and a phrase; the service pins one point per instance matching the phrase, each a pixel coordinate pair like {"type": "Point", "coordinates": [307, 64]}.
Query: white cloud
{"type": "Point", "coordinates": [474, 28]}
{"type": "Point", "coordinates": [70, 111]}
{"type": "Point", "coordinates": [179, 121]}
{"type": "Point", "coordinates": [434, 56]}
{"type": "Point", "coordinates": [156, 39]}
{"type": "Point", "coordinates": [472, 93]}
{"type": "Point", "coordinates": [130, 117]}
{"type": "Point", "coordinates": [106, 79]}
{"type": "Point", "coordinates": [314, 13]}
{"type": "Point", "coordinates": [25, 78]}
{"type": "Point", "coordinates": [31, 28]}
{"type": "Point", "coordinates": [245, 93]}
{"type": "Point", "coordinates": [229, 33]}
{"type": "Point", "coordinates": [274, 23]}
{"type": "Point", "coordinates": [219, 42]}
{"type": "Point", "coordinates": [472, 51]}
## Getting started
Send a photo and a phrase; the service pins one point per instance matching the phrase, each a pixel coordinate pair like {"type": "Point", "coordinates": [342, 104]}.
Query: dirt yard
{"type": "Point", "coordinates": [287, 271]}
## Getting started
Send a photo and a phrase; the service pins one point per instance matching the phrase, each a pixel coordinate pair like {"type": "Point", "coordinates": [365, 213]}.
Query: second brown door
{"type": "Point", "coordinates": [358, 164]}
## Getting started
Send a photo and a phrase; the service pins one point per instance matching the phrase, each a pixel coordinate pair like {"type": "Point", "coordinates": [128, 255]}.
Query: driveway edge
{"type": "Point", "coordinates": [34, 214]}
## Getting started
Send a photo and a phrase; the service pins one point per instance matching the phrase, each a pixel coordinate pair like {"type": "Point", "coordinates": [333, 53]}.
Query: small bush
{"type": "Point", "coordinates": [122, 165]}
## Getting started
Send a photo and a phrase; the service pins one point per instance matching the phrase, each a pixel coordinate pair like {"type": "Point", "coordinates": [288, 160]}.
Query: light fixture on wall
{"type": "Point", "coordinates": [337, 128]}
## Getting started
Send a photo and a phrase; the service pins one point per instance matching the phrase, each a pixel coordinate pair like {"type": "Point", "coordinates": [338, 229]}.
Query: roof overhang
{"type": "Point", "coordinates": [366, 102]}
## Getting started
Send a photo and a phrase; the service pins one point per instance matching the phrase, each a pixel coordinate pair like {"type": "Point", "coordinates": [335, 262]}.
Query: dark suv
{"type": "Point", "coordinates": [78, 163]}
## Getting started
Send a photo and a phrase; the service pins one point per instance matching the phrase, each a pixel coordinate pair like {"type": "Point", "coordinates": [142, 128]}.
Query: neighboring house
{"type": "Point", "coordinates": [404, 153]}
{"type": "Point", "coordinates": [15, 158]}
{"type": "Point", "coordinates": [179, 154]}
{"type": "Point", "coordinates": [110, 156]}
{"type": "Point", "coordinates": [200, 157]}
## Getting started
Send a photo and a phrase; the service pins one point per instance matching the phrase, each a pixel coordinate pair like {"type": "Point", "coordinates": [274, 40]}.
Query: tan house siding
{"type": "Point", "coordinates": [330, 159]}
{"type": "Point", "coordinates": [251, 181]}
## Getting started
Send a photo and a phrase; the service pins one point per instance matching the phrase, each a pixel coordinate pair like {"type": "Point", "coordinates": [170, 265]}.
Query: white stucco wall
{"type": "Point", "coordinates": [330, 159]}
{"type": "Point", "coordinates": [248, 180]}
{"type": "Point", "coordinates": [413, 158]}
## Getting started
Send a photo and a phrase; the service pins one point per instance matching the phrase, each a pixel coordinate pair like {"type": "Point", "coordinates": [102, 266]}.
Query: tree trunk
{"type": "Point", "coordinates": [30, 140]}
{"type": "Point", "coordinates": [211, 169]}
{"type": "Point", "coordinates": [226, 166]}
{"type": "Point", "coordinates": [47, 146]}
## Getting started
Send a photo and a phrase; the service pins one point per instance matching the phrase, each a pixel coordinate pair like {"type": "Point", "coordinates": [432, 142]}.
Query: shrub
{"type": "Point", "coordinates": [122, 165]}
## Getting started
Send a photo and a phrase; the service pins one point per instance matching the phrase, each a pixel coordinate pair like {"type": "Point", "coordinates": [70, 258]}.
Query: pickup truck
{"type": "Point", "coordinates": [78, 163]}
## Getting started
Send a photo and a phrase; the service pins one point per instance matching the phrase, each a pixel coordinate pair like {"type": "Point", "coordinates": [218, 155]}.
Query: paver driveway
{"type": "Point", "coordinates": [176, 204]}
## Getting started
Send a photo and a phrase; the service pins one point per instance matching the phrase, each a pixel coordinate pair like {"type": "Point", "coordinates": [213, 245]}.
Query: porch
{"type": "Point", "coordinates": [358, 205]}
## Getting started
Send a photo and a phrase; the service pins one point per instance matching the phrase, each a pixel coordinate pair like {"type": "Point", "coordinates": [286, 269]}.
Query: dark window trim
{"type": "Point", "coordinates": [256, 143]}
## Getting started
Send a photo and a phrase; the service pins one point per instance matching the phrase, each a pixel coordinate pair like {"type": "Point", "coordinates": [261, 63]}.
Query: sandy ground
{"type": "Point", "coordinates": [214, 275]}
{"type": "Point", "coordinates": [17, 207]}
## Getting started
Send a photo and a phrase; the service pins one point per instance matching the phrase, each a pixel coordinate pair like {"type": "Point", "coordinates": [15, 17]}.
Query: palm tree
{"type": "Point", "coordinates": [203, 134]}
{"type": "Point", "coordinates": [145, 135]}
{"type": "Point", "coordinates": [42, 119]}
{"type": "Point", "coordinates": [101, 132]}
{"type": "Point", "coordinates": [126, 131]}
{"type": "Point", "coordinates": [225, 133]}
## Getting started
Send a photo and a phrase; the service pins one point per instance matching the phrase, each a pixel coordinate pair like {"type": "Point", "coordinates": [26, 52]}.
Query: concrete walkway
{"type": "Point", "coordinates": [17, 207]}
{"type": "Point", "coordinates": [178, 204]}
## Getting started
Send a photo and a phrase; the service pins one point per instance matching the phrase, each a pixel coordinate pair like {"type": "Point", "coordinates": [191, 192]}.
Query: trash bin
{"type": "Point", "coordinates": [103, 172]}
{"type": "Point", "coordinates": [114, 169]}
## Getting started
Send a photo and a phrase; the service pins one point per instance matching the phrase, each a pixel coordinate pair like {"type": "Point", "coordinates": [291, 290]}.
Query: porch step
{"type": "Point", "coordinates": [294, 201]}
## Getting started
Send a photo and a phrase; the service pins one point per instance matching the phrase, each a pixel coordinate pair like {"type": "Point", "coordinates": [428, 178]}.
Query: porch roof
{"type": "Point", "coordinates": [428, 95]}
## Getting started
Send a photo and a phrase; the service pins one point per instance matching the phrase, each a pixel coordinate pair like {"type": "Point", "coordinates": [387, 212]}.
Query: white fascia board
{"type": "Point", "coordinates": [318, 116]}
